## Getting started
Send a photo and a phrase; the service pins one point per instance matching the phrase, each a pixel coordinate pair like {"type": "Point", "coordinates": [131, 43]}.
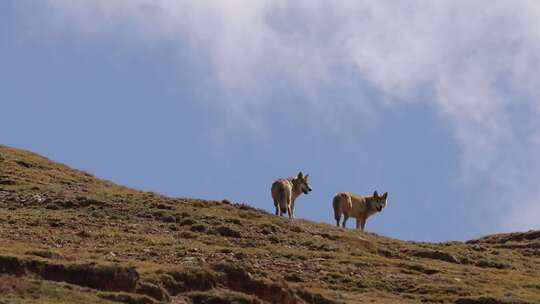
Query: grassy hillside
{"type": "Point", "coordinates": [68, 237]}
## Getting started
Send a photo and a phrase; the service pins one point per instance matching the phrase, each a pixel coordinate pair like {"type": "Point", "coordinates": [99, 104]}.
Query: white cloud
{"type": "Point", "coordinates": [476, 62]}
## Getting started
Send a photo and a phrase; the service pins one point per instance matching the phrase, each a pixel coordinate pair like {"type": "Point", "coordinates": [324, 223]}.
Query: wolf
{"type": "Point", "coordinates": [357, 206]}
{"type": "Point", "coordinates": [286, 190]}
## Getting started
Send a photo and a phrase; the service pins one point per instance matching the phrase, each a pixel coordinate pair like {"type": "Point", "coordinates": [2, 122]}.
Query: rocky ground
{"type": "Point", "coordinates": [68, 237]}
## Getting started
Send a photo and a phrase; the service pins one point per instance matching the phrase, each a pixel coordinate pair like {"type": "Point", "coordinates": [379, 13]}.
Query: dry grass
{"type": "Point", "coordinates": [55, 220]}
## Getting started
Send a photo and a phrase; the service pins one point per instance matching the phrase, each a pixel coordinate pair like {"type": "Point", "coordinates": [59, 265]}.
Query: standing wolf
{"type": "Point", "coordinates": [286, 190]}
{"type": "Point", "coordinates": [357, 206]}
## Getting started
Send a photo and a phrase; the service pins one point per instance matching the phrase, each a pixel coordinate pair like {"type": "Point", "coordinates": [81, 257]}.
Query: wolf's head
{"type": "Point", "coordinates": [301, 183]}
{"type": "Point", "coordinates": [379, 201]}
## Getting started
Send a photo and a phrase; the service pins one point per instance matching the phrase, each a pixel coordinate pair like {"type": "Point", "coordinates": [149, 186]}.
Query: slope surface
{"type": "Point", "coordinates": [68, 237]}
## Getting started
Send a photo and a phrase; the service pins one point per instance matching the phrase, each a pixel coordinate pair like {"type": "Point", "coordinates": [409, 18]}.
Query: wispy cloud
{"type": "Point", "coordinates": [475, 62]}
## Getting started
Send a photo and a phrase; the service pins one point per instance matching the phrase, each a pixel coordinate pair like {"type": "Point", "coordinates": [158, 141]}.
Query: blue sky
{"type": "Point", "coordinates": [435, 103]}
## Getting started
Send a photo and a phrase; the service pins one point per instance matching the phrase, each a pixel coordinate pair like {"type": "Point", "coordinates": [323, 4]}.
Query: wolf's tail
{"type": "Point", "coordinates": [279, 195]}
{"type": "Point", "coordinates": [283, 199]}
{"type": "Point", "coordinates": [337, 208]}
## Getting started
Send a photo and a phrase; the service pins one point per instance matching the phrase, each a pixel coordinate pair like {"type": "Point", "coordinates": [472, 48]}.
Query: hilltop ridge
{"type": "Point", "coordinates": [69, 237]}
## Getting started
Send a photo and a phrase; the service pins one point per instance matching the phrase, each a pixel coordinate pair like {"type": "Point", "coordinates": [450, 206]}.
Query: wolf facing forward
{"type": "Point", "coordinates": [286, 190]}
{"type": "Point", "coordinates": [357, 206]}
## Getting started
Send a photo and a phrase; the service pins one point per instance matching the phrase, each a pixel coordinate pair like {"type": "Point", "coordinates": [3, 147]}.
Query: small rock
{"type": "Point", "coordinates": [38, 198]}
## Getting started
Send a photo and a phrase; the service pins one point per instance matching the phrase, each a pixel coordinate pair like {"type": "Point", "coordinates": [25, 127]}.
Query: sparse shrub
{"type": "Point", "coordinates": [168, 219]}
{"type": "Point", "coordinates": [187, 221]}
{"type": "Point", "coordinates": [434, 254]}
{"type": "Point", "coordinates": [161, 206]}
{"type": "Point", "coordinates": [188, 235]}
{"type": "Point", "coordinates": [296, 229]}
{"type": "Point", "coordinates": [273, 239]}
{"type": "Point", "coordinates": [23, 163]}
{"type": "Point", "coordinates": [199, 228]}
{"type": "Point", "coordinates": [228, 232]}
{"type": "Point", "coordinates": [267, 228]}
{"type": "Point", "coordinates": [52, 207]}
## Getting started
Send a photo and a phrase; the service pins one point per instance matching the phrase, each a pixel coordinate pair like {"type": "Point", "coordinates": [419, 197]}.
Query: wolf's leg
{"type": "Point", "coordinates": [362, 224]}
{"type": "Point", "coordinates": [277, 207]}
{"type": "Point", "coordinates": [289, 210]}
{"type": "Point", "coordinates": [338, 218]}
{"type": "Point", "coordinates": [345, 218]}
{"type": "Point", "coordinates": [288, 204]}
{"type": "Point", "coordinates": [284, 203]}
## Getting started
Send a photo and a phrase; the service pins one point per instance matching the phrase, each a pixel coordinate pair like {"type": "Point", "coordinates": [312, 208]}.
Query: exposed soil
{"type": "Point", "coordinates": [68, 237]}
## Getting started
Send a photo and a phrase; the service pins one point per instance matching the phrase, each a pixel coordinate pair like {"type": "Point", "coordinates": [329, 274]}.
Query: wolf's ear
{"type": "Point", "coordinates": [306, 177]}
{"type": "Point", "coordinates": [375, 194]}
{"type": "Point", "coordinates": [385, 195]}
{"type": "Point", "coordinates": [300, 175]}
